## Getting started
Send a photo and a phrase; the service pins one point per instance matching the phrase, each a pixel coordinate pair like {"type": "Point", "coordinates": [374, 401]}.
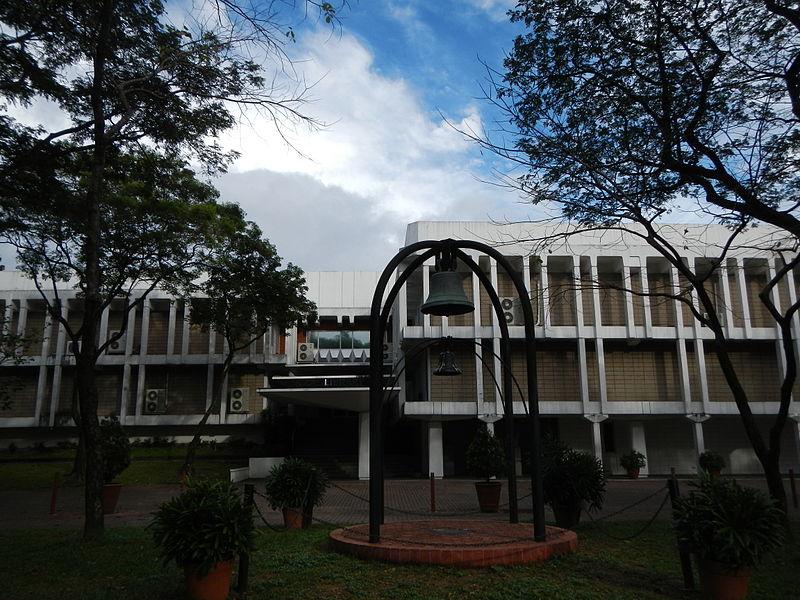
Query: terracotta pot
{"type": "Point", "coordinates": [110, 497]}
{"type": "Point", "coordinates": [293, 518]}
{"type": "Point", "coordinates": [718, 582]}
{"type": "Point", "coordinates": [489, 495]}
{"type": "Point", "coordinates": [215, 585]}
{"type": "Point", "coordinates": [633, 473]}
{"type": "Point", "coordinates": [567, 514]}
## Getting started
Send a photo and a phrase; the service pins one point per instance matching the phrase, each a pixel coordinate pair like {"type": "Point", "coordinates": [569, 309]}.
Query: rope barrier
{"type": "Point", "coordinates": [595, 522]}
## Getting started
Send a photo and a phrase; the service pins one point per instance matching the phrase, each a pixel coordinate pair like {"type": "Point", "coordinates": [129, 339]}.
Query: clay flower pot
{"type": "Point", "coordinates": [110, 497]}
{"type": "Point", "coordinates": [215, 585]}
{"type": "Point", "coordinates": [489, 495]}
{"type": "Point", "coordinates": [721, 583]}
{"type": "Point", "coordinates": [293, 518]}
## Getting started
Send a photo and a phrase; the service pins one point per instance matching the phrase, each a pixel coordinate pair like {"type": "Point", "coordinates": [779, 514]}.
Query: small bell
{"type": "Point", "coordinates": [447, 365]}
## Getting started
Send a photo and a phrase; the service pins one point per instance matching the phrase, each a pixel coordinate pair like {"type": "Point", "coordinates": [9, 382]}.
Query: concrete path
{"type": "Point", "coordinates": [346, 502]}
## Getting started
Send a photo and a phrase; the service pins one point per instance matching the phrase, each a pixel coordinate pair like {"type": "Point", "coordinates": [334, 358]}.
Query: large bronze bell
{"type": "Point", "coordinates": [446, 297]}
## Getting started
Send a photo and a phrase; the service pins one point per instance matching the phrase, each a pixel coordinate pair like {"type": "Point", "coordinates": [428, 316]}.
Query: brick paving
{"type": "Point", "coordinates": [345, 503]}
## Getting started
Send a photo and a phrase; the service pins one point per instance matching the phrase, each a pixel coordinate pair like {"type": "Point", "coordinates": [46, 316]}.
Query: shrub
{"type": "Point", "coordinates": [295, 483]}
{"type": "Point", "coordinates": [632, 460]}
{"type": "Point", "coordinates": [571, 480]}
{"type": "Point", "coordinates": [485, 455]}
{"type": "Point", "coordinates": [729, 524]}
{"type": "Point", "coordinates": [206, 524]}
{"type": "Point", "coordinates": [711, 461]}
{"type": "Point", "coordinates": [115, 448]}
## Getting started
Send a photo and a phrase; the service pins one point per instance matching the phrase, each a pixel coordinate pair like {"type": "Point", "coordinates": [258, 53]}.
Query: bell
{"type": "Point", "coordinates": [446, 297]}
{"type": "Point", "coordinates": [447, 365]}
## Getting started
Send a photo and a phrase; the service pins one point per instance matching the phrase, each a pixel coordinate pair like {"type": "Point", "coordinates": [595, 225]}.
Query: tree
{"type": "Point", "coordinates": [244, 293]}
{"type": "Point", "coordinates": [626, 112]}
{"type": "Point", "coordinates": [138, 99]}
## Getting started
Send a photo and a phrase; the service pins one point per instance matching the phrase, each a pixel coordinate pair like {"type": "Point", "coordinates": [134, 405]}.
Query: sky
{"type": "Point", "coordinates": [392, 82]}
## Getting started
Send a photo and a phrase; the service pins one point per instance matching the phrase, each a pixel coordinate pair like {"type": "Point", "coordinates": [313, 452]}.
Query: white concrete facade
{"type": "Point", "coordinates": [616, 371]}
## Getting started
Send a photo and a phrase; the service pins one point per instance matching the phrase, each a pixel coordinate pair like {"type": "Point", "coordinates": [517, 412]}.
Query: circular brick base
{"type": "Point", "coordinates": [463, 543]}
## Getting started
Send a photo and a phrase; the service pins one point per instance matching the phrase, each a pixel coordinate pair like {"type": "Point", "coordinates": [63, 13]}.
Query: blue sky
{"type": "Point", "coordinates": [340, 197]}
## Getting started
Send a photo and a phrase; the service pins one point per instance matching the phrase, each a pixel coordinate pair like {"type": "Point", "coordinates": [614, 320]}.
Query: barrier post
{"type": "Point", "coordinates": [433, 492]}
{"type": "Point", "coordinates": [54, 492]}
{"type": "Point", "coordinates": [244, 557]}
{"type": "Point", "coordinates": [683, 552]}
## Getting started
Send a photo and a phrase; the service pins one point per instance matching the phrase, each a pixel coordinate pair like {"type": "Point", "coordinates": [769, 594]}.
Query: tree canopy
{"type": "Point", "coordinates": [629, 109]}
{"type": "Point", "coordinates": [104, 191]}
{"type": "Point", "coordinates": [627, 113]}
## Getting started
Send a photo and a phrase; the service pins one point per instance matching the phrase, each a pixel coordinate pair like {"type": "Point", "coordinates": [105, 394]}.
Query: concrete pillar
{"type": "Point", "coordinates": [639, 443]}
{"type": "Point", "coordinates": [435, 448]}
{"type": "Point", "coordinates": [363, 445]}
{"type": "Point", "coordinates": [597, 437]}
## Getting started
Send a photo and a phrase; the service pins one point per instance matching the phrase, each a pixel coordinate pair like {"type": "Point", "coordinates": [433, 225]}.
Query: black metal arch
{"type": "Point", "coordinates": [379, 316]}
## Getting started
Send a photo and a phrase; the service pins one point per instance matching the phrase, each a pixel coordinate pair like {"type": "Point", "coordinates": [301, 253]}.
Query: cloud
{"type": "Point", "coordinates": [316, 226]}
{"type": "Point", "coordinates": [393, 159]}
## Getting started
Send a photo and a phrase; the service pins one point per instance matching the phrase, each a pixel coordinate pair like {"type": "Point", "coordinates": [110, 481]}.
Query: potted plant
{"type": "Point", "coordinates": [712, 463]}
{"type": "Point", "coordinates": [572, 481]}
{"type": "Point", "coordinates": [632, 461]}
{"type": "Point", "coordinates": [730, 529]}
{"type": "Point", "coordinates": [295, 486]}
{"type": "Point", "coordinates": [203, 530]}
{"type": "Point", "coordinates": [115, 451]}
{"type": "Point", "coordinates": [486, 459]}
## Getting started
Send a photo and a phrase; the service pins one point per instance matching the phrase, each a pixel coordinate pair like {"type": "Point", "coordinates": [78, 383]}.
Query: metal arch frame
{"type": "Point", "coordinates": [379, 317]}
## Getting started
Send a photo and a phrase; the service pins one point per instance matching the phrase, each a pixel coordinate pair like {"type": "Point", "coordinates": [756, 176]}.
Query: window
{"type": "Point", "coordinates": [335, 340]}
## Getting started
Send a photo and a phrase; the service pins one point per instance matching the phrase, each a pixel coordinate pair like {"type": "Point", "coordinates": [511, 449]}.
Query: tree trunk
{"type": "Point", "coordinates": [188, 463]}
{"type": "Point", "coordinates": [92, 309]}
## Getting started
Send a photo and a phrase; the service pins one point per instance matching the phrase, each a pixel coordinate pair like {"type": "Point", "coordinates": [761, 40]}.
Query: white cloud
{"type": "Point", "coordinates": [382, 147]}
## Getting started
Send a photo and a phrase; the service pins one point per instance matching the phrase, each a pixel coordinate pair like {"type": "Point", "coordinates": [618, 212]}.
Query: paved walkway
{"type": "Point", "coordinates": [345, 503]}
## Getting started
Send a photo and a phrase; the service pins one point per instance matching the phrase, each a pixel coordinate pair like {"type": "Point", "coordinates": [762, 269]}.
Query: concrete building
{"type": "Point", "coordinates": [615, 371]}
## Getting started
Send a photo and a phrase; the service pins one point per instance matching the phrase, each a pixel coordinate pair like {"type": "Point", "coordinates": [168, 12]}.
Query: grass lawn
{"type": "Point", "coordinates": [34, 468]}
{"type": "Point", "coordinates": [297, 565]}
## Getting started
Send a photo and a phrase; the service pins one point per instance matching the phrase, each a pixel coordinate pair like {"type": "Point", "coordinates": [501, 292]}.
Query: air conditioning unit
{"type": "Point", "coordinates": [388, 353]}
{"type": "Point", "coordinates": [511, 312]}
{"type": "Point", "coordinates": [155, 402]}
{"type": "Point", "coordinates": [305, 352]}
{"type": "Point", "coordinates": [73, 348]}
{"type": "Point", "coordinates": [117, 347]}
{"type": "Point", "coordinates": [237, 400]}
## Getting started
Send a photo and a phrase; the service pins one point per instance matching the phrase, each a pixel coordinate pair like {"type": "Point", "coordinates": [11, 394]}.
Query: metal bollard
{"type": "Point", "coordinates": [54, 493]}
{"type": "Point", "coordinates": [685, 556]}
{"type": "Point", "coordinates": [244, 558]}
{"type": "Point", "coordinates": [433, 492]}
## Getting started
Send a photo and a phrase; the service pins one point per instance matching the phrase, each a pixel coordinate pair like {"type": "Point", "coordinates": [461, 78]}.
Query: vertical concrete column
{"type": "Point", "coordinates": [8, 316]}
{"type": "Point", "coordinates": [576, 277]}
{"type": "Point", "coordinates": [173, 315]}
{"type": "Point", "coordinates": [683, 373]}
{"type": "Point", "coordinates": [601, 374]}
{"type": "Point", "coordinates": [435, 448]}
{"type": "Point", "coordinates": [583, 374]}
{"type": "Point", "coordinates": [628, 283]}
{"type": "Point", "coordinates": [724, 311]}
{"type": "Point", "coordinates": [594, 282]}
{"type": "Point", "coordinates": [22, 322]}
{"type": "Point", "coordinates": [41, 384]}
{"type": "Point", "coordinates": [363, 445]}
{"type": "Point", "coordinates": [648, 315]}
{"type": "Point", "coordinates": [545, 297]}
{"type": "Point", "coordinates": [597, 437]}
{"type": "Point", "coordinates": [493, 318]}
{"type": "Point", "coordinates": [187, 305]}
{"type": "Point", "coordinates": [638, 442]}
{"type": "Point", "coordinates": [426, 288]}
{"type": "Point", "coordinates": [742, 283]}
{"type": "Point", "coordinates": [61, 351]}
